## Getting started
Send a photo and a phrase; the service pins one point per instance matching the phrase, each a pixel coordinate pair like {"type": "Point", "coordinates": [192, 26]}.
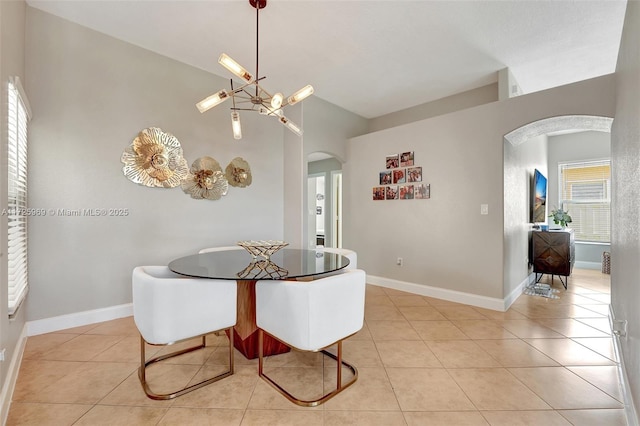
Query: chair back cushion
{"type": "Point", "coordinates": [350, 254]}
{"type": "Point", "coordinates": [312, 315]}
{"type": "Point", "coordinates": [168, 307]}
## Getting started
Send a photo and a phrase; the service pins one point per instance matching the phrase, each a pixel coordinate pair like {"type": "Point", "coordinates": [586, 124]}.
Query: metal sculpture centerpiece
{"type": "Point", "coordinates": [262, 248]}
{"type": "Point", "coordinates": [250, 96]}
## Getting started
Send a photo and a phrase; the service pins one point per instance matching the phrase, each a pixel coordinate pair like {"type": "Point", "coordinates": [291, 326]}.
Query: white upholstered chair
{"type": "Point", "coordinates": [222, 248]}
{"type": "Point", "coordinates": [169, 308]}
{"type": "Point", "coordinates": [350, 254]}
{"type": "Point", "coordinates": [312, 316]}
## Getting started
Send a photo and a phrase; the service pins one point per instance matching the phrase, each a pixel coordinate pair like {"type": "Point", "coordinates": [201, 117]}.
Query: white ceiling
{"type": "Point", "coordinates": [372, 57]}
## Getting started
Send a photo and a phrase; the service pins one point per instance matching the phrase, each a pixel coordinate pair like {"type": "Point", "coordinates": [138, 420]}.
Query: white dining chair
{"type": "Point", "coordinates": [221, 248]}
{"type": "Point", "coordinates": [349, 254]}
{"type": "Point", "coordinates": [311, 316]}
{"type": "Point", "coordinates": [170, 308]}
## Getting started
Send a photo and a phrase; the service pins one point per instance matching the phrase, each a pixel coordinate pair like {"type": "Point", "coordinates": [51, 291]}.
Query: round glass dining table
{"type": "Point", "coordinates": [239, 265]}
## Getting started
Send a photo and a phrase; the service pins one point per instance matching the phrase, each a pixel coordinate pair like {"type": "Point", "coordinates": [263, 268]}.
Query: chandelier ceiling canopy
{"type": "Point", "coordinates": [250, 96]}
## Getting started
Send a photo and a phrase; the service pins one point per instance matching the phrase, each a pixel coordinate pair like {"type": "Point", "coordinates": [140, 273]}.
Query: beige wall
{"type": "Point", "coordinates": [444, 241]}
{"type": "Point", "coordinates": [625, 230]}
{"type": "Point", "coordinates": [91, 94]}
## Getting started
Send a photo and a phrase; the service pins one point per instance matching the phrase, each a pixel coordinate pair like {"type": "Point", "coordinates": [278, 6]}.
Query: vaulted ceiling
{"type": "Point", "coordinates": [372, 57]}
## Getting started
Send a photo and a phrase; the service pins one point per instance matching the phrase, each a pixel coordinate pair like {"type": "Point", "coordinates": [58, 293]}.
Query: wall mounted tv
{"type": "Point", "coordinates": [539, 198]}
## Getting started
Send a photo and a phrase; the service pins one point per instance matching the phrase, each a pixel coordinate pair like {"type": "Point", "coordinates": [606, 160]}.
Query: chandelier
{"type": "Point", "coordinates": [250, 96]}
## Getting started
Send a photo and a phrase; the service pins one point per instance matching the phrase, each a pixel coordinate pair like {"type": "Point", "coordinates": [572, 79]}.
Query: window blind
{"type": "Point", "coordinates": [585, 192]}
{"type": "Point", "coordinates": [18, 117]}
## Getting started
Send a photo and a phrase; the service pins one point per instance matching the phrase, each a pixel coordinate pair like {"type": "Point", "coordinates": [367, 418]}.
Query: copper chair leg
{"type": "Point", "coordinates": [142, 370]}
{"type": "Point", "coordinates": [314, 402]}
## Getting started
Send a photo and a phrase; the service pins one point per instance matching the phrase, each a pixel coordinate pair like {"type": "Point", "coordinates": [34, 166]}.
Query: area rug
{"type": "Point", "coordinates": [542, 290]}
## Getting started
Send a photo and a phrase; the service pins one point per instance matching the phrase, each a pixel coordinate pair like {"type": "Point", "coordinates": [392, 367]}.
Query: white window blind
{"type": "Point", "coordinates": [585, 192]}
{"type": "Point", "coordinates": [18, 116]}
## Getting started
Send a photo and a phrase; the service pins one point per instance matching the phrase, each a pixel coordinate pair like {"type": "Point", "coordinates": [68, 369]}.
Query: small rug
{"type": "Point", "coordinates": [543, 290]}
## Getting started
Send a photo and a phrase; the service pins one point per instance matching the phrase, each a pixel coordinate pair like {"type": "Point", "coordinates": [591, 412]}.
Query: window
{"type": "Point", "coordinates": [585, 192]}
{"type": "Point", "coordinates": [18, 116]}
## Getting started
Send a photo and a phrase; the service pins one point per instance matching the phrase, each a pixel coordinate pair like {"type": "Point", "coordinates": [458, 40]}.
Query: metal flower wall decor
{"type": "Point", "coordinates": [238, 173]}
{"type": "Point", "coordinates": [205, 180]}
{"type": "Point", "coordinates": [155, 159]}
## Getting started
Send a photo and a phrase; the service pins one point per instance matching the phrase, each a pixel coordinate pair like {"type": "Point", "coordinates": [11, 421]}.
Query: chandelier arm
{"type": "Point", "coordinates": [257, 42]}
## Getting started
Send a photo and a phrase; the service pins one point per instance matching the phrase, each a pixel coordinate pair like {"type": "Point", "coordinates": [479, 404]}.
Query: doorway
{"type": "Point", "coordinates": [324, 201]}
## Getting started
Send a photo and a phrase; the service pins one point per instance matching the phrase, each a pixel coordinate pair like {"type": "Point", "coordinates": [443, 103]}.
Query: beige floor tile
{"type": "Point", "coordinates": [378, 300]}
{"type": "Point", "coordinates": [382, 312]}
{"type": "Point", "coordinates": [304, 383]}
{"type": "Point", "coordinates": [121, 326]}
{"type": "Point", "coordinates": [601, 345]}
{"type": "Point", "coordinates": [36, 375]}
{"type": "Point", "coordinates": [363, 334]}
{"type": "Point", "coordinates": [515, 353]}
{"type": "Point", "coordinates": [601, 324]}
{"type": "Point", "coordinates": [118, 415]}
{"type": "Point", "coordinates": [496, 389]}
{"type": "Point", "coordinates": [411, 354]}
{"type": "Point", "coordinates": [438, 330]}
{"type": "Point", "coordinates": [209, 416]}
{"type": "Point", "coordinates": [567, 352]}
{"type": "Point", "coordinates": [126, 350]}
{"type": "Point", "coordinates": [602, 309]}
{"type": "Point", "coordinates": [282, 418]}
{"type": "Point", "coordinates": [392, 330]}
{"type": "Point", "coordinates": [371, 392]}
{"type": "Point", "coordinates": [441, 302]}
{"type": "Point", "coordinates": [38, 347]}
{"type": "Point", "coordinates": [77, 330]}
{"type": "Point", "coordinates": [410, 300]}
{"type": "Point", "coordinates": [483, 329]}
{"type": "Point", "coordinates": [525, 418]}
{"type": "Point", "coordinates": [361, 353]}
{"type": "Point", "coordinates": [600, 298]}
{"type": "Point", "coordinates": [595, 417]}
{"type": "Point", "coordinates": [497, 315]}
{"type": "Point", "coordinates": [459, 312]}
{"type": "Point", "coordinates": [368, 418]}
{"type": "Point", "coordinates": [603, 377]}
{"type": "Point", "coordinates": [394, 292]}
{"type": "Point", "coordinates": [449, 418]}
{"type": "Point", "coordinates": [374, 290]}
{"type": "Point", "coordinates": [529, 329]}
{"type": "Point", "coordinates": [81, 348]}
{"type": "Point", "coordinates": [570, 327]}
{"type": "Point", "coordinates": [233, 392]}
{"type": "Point", "coordinates": [294, 359]}
{"type": "Point", "coordinates": [461, 354]}
{"type": "Point", "coordinates": [130, 393]}
{"type": "Point", "coordinates": [428, 389]}
{"type": "Point", "coordinates": [45, 414]}
{"type": "Point", "coordinates": [562, 389]}
{"type": "Point", "coordinates": [421, 313]}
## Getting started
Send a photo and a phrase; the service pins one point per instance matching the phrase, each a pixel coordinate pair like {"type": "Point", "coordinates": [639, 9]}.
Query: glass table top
{"type": "Point", "coordinates": [239, 264]}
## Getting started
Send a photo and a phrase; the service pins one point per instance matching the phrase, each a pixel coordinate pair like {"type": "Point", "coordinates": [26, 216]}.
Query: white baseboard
{"type": "Point", "coordinates": [440, 293]}
{"type": "Point", "coordinates": [517, 292]}
{"type": "Point", "coordinates": [12, 376]}
{"type": "Point", "coordinates": [78, 319]}
{"type": "Point", "coordinates": [629, 406]}
{"type": "Point", "coordinates": [587, 265]}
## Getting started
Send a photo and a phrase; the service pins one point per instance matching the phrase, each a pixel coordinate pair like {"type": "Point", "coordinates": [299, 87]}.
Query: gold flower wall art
{"type": "Point", "coordinates": [155, 159]}
{"type": "Point", "coordinates": [238, 173]}
{"type": "Point", "coordinates": [205, 180]}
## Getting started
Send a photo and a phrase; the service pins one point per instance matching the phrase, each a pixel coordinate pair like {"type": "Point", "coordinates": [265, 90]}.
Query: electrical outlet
{"type": "Point", "coordinates": [484, 209]}
{"type": "Point", "coordinates": [399, 261]}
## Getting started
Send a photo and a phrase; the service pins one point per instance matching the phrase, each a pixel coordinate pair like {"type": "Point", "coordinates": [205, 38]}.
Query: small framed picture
{"type": "Point", "coordinates": [422, 191]}
{"type": "Point", "coordinates": [392, 161]}
{"type": "Point", "coordinates": [378, 193]}
{"type": "Point", "coordinates": [406, 192]}
{"type": "Point", "coordinates": [392, 192]}
{"type": "Point", "coordinates": [399, 176]}
{"type": "Point", "coordinates": [406, 159]}
{"type": "Point", "coordinates": [414, 174]}
{"type": "Point", "coordinates": [385, 178]}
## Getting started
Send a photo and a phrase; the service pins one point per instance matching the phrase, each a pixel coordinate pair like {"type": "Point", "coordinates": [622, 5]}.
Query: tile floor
{"type": "Point", "coordinates": [421, 361]}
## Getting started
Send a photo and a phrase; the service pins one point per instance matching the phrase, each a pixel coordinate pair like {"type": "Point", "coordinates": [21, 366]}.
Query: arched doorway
{"type": "Point", "coordinates": [324, 200]}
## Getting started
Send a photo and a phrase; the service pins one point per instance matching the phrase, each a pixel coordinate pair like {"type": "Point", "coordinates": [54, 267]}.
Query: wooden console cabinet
{"type": "Point", "coordinates": [553, 253]}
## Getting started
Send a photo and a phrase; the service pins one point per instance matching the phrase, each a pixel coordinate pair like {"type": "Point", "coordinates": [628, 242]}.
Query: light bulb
{"type": "Point", "coordinates": [213, 100]}
{"type": "Point", "coordinates": [235, 125]}
{"type": "Point", "coordinates": [290, 125]}
{"type": "Point", "coordinates": [301, 94]}
{"type": "Point", "coordinates": [235, 68]}
{"type": "Point", "coordinates": [276, 100]}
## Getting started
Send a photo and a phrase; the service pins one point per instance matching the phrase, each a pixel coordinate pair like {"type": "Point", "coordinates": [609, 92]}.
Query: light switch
{"type": "Point", "coordinates": [484, 208]}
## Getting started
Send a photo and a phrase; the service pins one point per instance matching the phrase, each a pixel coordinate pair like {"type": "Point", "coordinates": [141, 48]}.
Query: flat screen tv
{"type": "Point", "coordinates": [539, 198]}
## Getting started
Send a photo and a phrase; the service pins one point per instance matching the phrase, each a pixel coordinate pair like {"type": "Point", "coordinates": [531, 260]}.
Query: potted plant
{"type": "Point", "coordinates": [560, 217]}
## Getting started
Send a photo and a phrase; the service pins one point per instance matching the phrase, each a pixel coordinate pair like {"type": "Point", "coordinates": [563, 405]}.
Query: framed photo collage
{"type": "Point", "coordinates": [402, 180]}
